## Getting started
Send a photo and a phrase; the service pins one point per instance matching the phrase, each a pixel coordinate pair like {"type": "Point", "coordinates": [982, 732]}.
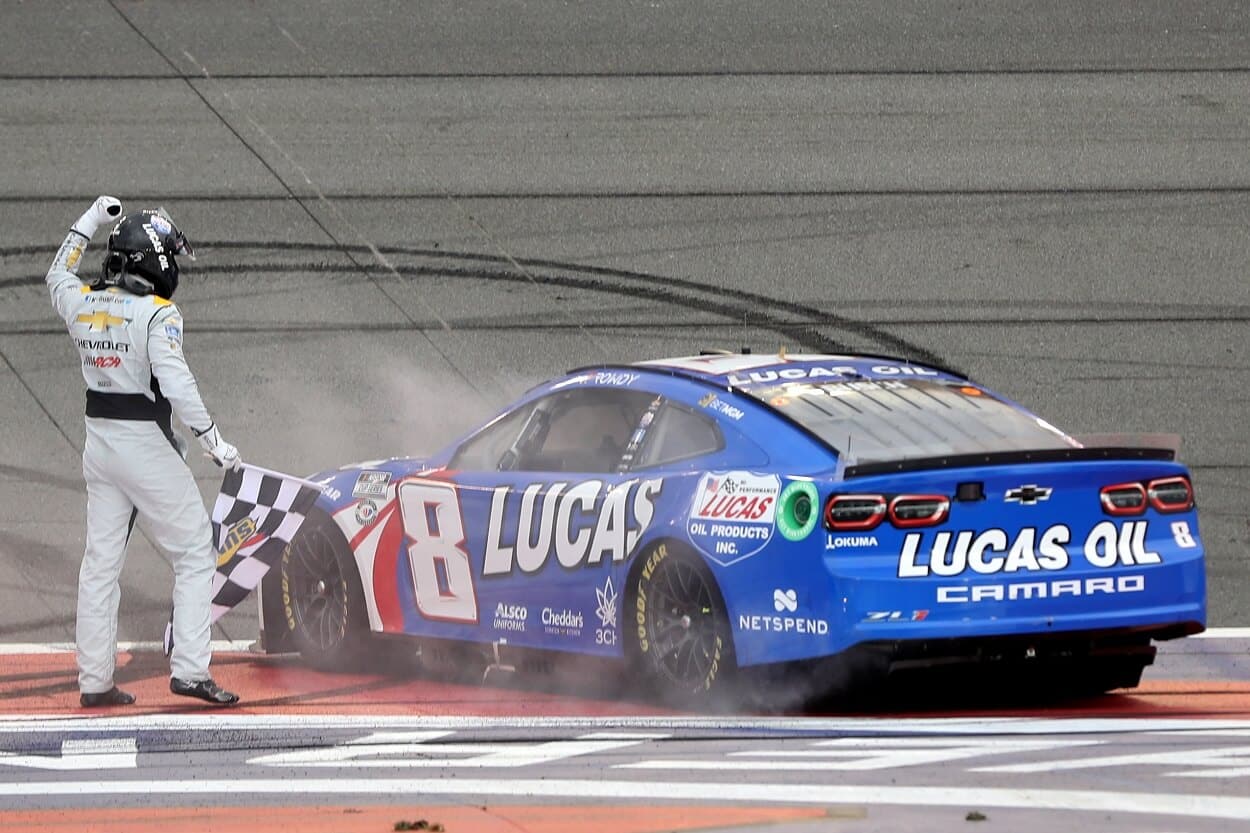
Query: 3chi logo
{"type": "Point", "coordinates": [1028, 495]}
{"type": "Point", "coordinates": [606, 611]}
{"type": "Point", "coordinates": [786, 600]}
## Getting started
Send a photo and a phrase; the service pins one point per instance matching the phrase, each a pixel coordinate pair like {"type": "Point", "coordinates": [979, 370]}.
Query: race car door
{"type": "Point", "coordinates": [551, 514]}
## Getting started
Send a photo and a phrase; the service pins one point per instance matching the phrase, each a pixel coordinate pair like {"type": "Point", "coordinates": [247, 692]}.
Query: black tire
{"type": "Point", "coordinates": [679, 637]}
{"type": "Point", "coordinates": [322, 600]}
{"type": "Point", "coordinates": [1106, 674]}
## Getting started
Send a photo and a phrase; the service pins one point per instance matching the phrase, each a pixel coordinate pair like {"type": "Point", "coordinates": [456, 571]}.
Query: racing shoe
{"type": "Point", "coordinates": [206, 690]}
{"type": "Point", "coordinates": [113, 697]}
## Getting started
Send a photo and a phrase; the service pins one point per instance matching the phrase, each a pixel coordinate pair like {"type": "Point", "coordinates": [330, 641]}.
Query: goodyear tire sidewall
{"type": "Point", "coordinates": [651, 566]}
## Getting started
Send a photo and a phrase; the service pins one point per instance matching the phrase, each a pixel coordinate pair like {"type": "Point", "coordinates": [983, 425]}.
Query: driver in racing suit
{"type": "Point", "coordinates": [129, 338]}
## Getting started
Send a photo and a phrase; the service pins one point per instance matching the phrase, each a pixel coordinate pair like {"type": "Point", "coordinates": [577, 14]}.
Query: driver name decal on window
{"type": "Point", "coordinates": [581, 523]}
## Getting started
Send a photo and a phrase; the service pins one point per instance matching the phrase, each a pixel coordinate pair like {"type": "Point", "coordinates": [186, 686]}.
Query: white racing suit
{"type": "Point", "coordinates": [130, 349]}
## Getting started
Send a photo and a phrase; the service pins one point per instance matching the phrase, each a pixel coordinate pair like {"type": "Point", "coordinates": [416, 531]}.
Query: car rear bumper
{"type": "Point", "coordinates": [967, 671]}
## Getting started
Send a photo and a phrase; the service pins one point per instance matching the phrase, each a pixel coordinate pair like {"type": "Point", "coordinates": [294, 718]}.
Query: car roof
{"type": "Point", "coordinates": [735, 369]}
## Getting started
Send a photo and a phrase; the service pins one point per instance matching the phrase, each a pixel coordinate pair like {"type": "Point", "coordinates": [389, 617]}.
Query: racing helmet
{"type": "Point", "coordinates": [141, 253]}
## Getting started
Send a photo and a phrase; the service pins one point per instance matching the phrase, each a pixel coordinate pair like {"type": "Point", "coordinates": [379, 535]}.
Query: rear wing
{"type": "Point", "coordinates": [1090, 447]}
{"type": "Point", "coordinates": [1169, 442]}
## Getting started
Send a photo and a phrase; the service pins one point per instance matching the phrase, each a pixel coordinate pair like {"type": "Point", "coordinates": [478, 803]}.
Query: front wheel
{"type": "Point", "coordinates": [680, 638]}
{"type": "Point", "coordinates": [322, 600]}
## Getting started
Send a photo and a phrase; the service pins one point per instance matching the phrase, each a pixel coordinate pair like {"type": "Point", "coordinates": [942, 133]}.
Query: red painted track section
{"type": "Point", "coordinates": [46, 684]}
{"type": "Point", "coordinates": [335, 819]}
{"type": "Point", "coordinates": [39, 684]}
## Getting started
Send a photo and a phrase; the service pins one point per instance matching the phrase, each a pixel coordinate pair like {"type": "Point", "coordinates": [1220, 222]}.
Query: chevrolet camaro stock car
{"type": "Point", "coordinates": [696, 519]}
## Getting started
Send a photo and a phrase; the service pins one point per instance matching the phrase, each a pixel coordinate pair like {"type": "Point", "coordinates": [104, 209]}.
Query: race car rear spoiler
{"type": "Point", "coordinates": [1089, 447]}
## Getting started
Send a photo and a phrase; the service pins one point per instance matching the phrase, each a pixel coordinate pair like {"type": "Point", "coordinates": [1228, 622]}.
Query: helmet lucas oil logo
{"type": "Point", "coordinates": [732, 515]}
{"type": "Point", "coordinates": [154, 237]}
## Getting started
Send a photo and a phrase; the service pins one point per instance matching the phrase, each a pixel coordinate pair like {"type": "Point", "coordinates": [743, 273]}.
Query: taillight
{"type": "Point", "coordinates": [1171, 494]}
{"type": "Point", "coordinates": [854, 512]}
{"type": "Point", "coordinates": [1123, 499]}
{"type": "Point", "coordinates": [919, 510]}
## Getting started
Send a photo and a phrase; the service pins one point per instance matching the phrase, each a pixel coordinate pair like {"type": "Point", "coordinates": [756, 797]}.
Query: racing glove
{"type": "Point", "coordinates": [101, 211]}
{"type": "Point", "coordinates": [222, 452]}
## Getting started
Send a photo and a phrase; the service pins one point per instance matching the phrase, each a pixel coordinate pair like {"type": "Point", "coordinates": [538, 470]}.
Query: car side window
{"type": "Point", "coordinates": [678, 433]}
{"type": "Point", "coordinates": [484, 450]}
{"type": "Point", "coordinates": [572, 431]}
{"type": "Point", "coordinates": [581, 430]}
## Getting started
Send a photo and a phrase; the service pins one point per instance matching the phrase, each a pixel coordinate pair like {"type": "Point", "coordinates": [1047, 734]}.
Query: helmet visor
{"type": "Point", "coordinates": [182, 246]}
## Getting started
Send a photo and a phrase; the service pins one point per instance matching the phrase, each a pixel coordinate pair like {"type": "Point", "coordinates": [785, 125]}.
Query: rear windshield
{"type": "Point", "coordinates": [895, 419]}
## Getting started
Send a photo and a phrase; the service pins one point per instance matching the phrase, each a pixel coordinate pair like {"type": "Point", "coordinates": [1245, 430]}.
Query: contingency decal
{"type": "Point", "coordinates": [732, 516]}
{"type": "Point", "coordinates": [371, 484]}
{"type": "Point", "coordinates": [635, 440]}
{"type": "Point", "coordinates": [715, 403]}
{"type": "Point", "coordinates": [580, 523]}
{"type": "Point", "coordinates": [788, 618]}
{"type": "Point", "coordinates": [797, 510]}
{"type": "Point", "coordinates": [605, 609]}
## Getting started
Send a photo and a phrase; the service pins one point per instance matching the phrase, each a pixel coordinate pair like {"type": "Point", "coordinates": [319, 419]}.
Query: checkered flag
{"type": "Point", "coordinates": [256, 515]}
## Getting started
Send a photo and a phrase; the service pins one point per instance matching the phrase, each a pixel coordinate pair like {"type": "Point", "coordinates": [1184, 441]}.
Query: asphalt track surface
{"type": "Point", "coordinates": [337, 751]}
{"type": "Point", "coordinates": [407, 214]}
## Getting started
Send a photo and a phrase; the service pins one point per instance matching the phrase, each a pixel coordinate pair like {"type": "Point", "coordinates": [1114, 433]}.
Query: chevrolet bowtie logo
{"type": "Point", "coordinates": [1028, 495]}
{"type": "Point", "coordinates": [100, 320]}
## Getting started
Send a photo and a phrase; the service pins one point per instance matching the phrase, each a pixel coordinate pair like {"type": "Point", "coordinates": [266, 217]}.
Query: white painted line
{"type": "Point", "coordinates": [1188, 805]}
{"type": "Point", "coordinates": [1223, 633]}
{"type": "Point", "coordinates": [820, 726]}
{"type": "Point", "coordinates": [218, 645]}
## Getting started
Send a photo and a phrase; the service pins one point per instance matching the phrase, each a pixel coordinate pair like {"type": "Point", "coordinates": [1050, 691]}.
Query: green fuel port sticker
{"type": "Point", "coordinates": [796, 515]}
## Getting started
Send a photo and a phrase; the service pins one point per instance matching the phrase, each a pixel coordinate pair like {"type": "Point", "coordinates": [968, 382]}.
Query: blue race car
{"type": "Point", "coordinates": [697, 519]}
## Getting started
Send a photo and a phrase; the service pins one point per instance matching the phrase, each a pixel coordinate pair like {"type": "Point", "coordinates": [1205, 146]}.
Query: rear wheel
{"type": "Point", "coordinates": [322, 600]}
{"type": "Point", "coordinates": [679, 636]}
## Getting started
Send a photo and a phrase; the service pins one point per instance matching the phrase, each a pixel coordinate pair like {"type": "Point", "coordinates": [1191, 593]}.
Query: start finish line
{"type": "Point", "coordinates": [1183, 766]}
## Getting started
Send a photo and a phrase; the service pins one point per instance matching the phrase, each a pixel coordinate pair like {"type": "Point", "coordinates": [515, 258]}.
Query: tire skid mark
{"type": "Point", "coordinates": [749, 308]}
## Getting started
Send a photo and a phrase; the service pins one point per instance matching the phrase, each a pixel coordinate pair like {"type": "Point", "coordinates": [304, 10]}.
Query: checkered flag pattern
{"type": "Point", "coordinates": [256, 515]}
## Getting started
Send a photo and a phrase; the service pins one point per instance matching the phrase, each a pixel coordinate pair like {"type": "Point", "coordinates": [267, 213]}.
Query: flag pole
{"type": "Point", "coordinates": [282, 475]}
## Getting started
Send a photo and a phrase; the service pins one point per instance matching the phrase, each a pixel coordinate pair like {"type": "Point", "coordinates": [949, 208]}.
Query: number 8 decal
{"type": "Point", "coordinates": [1182, 535]}
{"type": "Point", "coordinates": [431, 513]}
